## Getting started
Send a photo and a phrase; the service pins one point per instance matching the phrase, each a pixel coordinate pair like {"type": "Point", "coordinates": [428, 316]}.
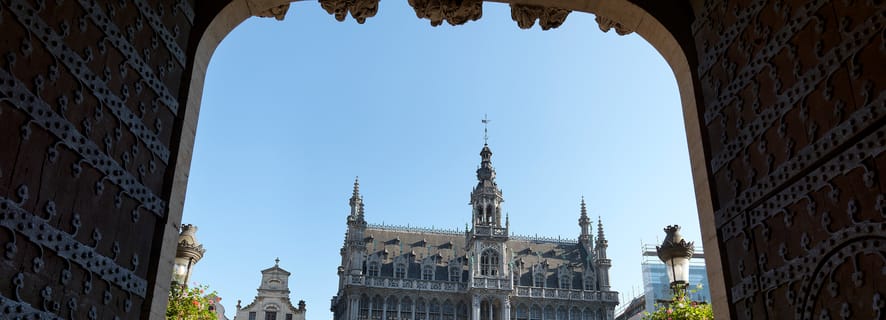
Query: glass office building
{"type": "Point", "coordinates": [655, 278]}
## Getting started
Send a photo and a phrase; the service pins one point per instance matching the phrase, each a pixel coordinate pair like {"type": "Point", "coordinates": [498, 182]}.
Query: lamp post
{"type": "Point", "coordinates": [675, 252]}
{"type": "Point", "coordinates": [187, 254]}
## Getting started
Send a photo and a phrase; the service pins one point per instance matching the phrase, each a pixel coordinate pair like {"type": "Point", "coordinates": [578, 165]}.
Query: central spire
{"type": "Point", "coordinates": [486, 197]}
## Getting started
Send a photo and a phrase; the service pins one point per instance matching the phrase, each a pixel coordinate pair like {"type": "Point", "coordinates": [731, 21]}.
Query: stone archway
{"type": "Point", "coordinates": [621, 16]}
{"type": "Point", "coordinates": [783, 105]}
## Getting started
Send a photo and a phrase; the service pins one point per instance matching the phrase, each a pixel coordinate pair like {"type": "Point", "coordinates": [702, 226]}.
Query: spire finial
{"type": "Point", "coordinates": [600, 236]}
{"type": "Point", "coordinates": [357, 186]}
{"type": "Point", "coordinates": [277, 262]}
{"type": "Point", "coordinates": [584, 208]}
{"type": "Point", "coordinates": [485, 121]}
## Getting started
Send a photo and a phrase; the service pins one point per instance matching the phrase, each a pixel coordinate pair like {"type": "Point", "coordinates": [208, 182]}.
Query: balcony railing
{"type": "Point", "coordinates": [490, 231]}
{"type": "Point", "coordinates": [488, 283]}
{"type": "Point", "coordinates": [567, 294]}
{"type": "Point", "coordinates": [409, 284]}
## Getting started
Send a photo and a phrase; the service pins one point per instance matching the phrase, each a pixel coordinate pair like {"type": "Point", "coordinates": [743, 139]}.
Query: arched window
{"type": "Point", "coordinates": [535, 313]}
{"type": "Point", "coordinates": [562, 314]}
{"type": "Point", "coordinates": [364, 308]}
{"type": "Point", "coordinates": [462, 311]}
{"type": "Point", "coordinates": [400, 270]}
{"type": "Point", "coordinates": [377, 305]}
{"type": "Point", "coordinates": [489, 261]}
{"type": "Point", "coordinates": [372, 269]}
{"type": "Point", "coordinates": [448, 310]}
{"type": "Point", "coordinates": [434, 310]}
{"type": "Point", "coordinates": [522, 312]}
{"type": "Point", "coordinates": [587, 314]}
{"type": "Point", "coordinates": [549, 313]}
{"type": "Point", "coordinates": [391, 308]}
{"type": "Point", "coordinates": [574, 314]}
{"type": "Point", "coordinates": [421, 309]}
{"type": "Point", "coordinates": [406, 308]}
{"type": "Point", "coordinates": [427, 272]}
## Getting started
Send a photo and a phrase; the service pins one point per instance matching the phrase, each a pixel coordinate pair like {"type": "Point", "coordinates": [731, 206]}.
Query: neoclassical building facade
{"type": "Point", "coordinates": [272, 301]}
{"type": "Point", "coordinates": [482, 273]}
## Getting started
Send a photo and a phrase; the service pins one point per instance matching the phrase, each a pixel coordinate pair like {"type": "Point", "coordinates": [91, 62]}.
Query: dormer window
{"type": "Point", "coordinates": [590, 279]}
{"type": "Point", "coordinates": [454, 273]}
{"type": "Point", "coordinates": [565, 277]}
{"type": "Point", "coordinates": [427, 272]}
{"type": "Point", "coordinates": [400, 270]}
{"type": "Point", "coordinates": [539, 279]}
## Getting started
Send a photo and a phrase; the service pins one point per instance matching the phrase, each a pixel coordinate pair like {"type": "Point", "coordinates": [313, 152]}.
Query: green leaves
{"type": "Point", "coordinates": [681, 308]}
{"type": "Point", "coordinates": [191, 303]}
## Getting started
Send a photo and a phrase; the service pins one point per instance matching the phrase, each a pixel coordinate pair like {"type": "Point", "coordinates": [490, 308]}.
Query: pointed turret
{"type": "Point", "coordinates": [603, 263]}
{"type": "Point", "coordinates": [585, 223]}
{"type": "Point", "coordinates": [602, 244]}
{"type": "Point", "coordinates": [356, 203]}
{"type": "Point", "coordinates": [352, 252]}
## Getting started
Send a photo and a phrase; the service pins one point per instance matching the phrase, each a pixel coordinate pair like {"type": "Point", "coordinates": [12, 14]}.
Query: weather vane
{"type": "Point", "coordinates": [485, 121]}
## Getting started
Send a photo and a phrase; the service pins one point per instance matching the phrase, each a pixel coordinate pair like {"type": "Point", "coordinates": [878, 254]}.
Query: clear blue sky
{"type": "Point", "coordinates": [294, 110]}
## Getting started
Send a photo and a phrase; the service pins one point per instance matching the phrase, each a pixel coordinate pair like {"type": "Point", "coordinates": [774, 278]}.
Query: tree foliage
{"type": "Point", "coordinates": [681, 308]}
{"type": "Point", "coordinates": [192, 303]}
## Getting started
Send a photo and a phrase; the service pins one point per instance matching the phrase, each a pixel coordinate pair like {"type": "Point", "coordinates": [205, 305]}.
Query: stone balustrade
{"type": "Point", "coordinates": [408, 284]}
{"type": "Point", "coordinates": [567, 294]}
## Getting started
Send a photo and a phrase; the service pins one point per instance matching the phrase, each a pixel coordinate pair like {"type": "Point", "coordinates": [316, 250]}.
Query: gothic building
{"type": "Point", "coordinates": [483, 273]}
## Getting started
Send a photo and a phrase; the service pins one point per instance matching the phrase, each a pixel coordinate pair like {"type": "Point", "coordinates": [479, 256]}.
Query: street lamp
{"type": "Point", "coordinates": [187, 254]}
{"type": "Point", "coordinates": [675, 252]}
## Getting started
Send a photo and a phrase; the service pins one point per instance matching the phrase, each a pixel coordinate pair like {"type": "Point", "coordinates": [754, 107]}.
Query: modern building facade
{"type": "Point", "coordinates": [657, 287]}
{"type": "Point", "coordinates": [272, 301]}
{"type": "Point", "coordinates": [482, 273]}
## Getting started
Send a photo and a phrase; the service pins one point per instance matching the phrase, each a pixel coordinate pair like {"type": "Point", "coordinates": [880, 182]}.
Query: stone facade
{"type": "Point", "coordinates": [483, 273]}
{"type": "Point", "coordinates": [272, 301]}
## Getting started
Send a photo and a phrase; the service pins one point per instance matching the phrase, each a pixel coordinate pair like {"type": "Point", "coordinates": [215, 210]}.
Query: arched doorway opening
{"type": "Point", "coordinates": [624, 17]}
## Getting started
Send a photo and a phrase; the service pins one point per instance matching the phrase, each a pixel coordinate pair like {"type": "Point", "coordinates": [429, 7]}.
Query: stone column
{"type": "Point", "coordinates": [353, 307]}
{"type": "Point", "coordinates": [384, 309]}
{"type": "Point", "coordinates": [475, 310]}
{"type": "Point", "coordinates": [412, 314]}
{"type": "Point", "coordinates": [506, 308]}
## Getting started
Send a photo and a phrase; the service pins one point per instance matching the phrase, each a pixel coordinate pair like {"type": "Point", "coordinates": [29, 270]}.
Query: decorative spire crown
{"type": "Point", "coordinates": [600, 237]}
{"type": "Point", "coordinates": [356, 187]}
